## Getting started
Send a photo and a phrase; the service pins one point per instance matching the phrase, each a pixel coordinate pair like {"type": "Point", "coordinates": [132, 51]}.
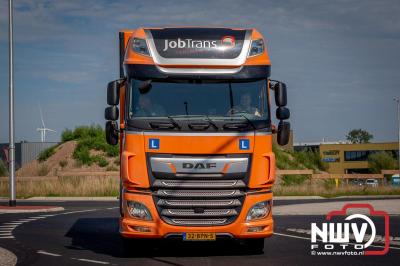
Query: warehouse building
{"type": "Point", "coordinates": [24, 151]}
{"type": "Point", "coordinates": [348, 158]}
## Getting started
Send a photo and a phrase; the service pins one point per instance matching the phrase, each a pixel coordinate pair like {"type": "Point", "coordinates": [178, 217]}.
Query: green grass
{"type": "Point", "coordinates": [47, 153]}
{"type": "Point", "coordinates": [293, 160]}
{"type": "Point", "coordinates": [90, 138]}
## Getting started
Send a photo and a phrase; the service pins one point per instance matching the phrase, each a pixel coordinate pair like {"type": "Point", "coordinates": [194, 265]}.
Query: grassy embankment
{"type": "Point", "coordinates": [91, 149]}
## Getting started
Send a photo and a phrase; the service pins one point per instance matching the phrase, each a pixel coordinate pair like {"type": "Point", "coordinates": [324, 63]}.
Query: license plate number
{"type": "Point", "coordinates": [199, 237]}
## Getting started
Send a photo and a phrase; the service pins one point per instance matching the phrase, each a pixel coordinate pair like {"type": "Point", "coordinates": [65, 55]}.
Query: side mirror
{"type": "Point", "coordinates": [280, 94]}
{"type": "Point", "coordinates": [111, 133]}
{"type": "Point", "coordinates": [111, 113]}
{"type": "Point", "coordinates": [283, 133]}
{"type": "Point", "coordinates": [113, 92]}
{"type": "Point", "coordinates": [282, 113]}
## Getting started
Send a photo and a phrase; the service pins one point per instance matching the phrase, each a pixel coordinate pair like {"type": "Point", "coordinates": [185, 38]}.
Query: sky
{"type": "Point", "coordinates": [339, 59]}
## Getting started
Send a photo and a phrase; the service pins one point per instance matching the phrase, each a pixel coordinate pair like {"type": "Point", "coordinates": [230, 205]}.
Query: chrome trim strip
{"type": "Point", "coordinates": [159, 60]}
{"type": "Point", "coordinates": [189, 71]}
{"type": "Point", "coordinates": [193, 134]}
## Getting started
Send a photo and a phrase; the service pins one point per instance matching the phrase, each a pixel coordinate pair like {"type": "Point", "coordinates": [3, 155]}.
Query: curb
{"type": "Point", "coordinates": [29, 209]}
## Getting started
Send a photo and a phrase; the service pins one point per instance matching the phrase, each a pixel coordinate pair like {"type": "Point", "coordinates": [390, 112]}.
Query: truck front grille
{"type": "Point", "coordinates": [198, 190]}
{"type": "Point", "coordinates": [199, 203]}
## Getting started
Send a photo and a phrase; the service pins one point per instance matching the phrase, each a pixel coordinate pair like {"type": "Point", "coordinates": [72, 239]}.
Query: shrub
{"type": "Point", "coordinates": [63, 163]}
{"type": "Point", "coordinates": [3, 168]}
{"type": "Point", "coordinates": [101, 161]}
{"type": "Point", "coordinates": [45, 154]}
{"type": "Point", "coordinates": [43, 170]}
{"type": "Point", "coordinates": [381, 161]}
{"type": "Point", "coordinates": [90, 138]}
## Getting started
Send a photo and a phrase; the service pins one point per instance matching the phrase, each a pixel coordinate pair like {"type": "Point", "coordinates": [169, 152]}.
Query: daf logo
{"type": "Point", "coordinates": [198, 165]}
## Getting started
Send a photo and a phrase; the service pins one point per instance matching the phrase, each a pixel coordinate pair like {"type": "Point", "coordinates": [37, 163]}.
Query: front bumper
{"type": "Point", "coordinates": [157, 228]}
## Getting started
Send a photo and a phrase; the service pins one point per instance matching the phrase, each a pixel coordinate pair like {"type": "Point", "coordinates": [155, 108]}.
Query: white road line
{"type": "Point", "coordinates": [307, 238]}
{"type": "Point", "coordinates": [48, 215]}
{"type": "Point", "coordinates": [38, 217]}
{"type": "Point", "coordinates": [26, 220]}
{"type": "Point", "coordinates": [13, 223]}
{"type": "Point", "coordinates": [3, 237]}
{"type": "Point", "coordinates": [8, 226]}
{"type": "Point", "coordinates": [48, 253]}
{"type": "Point", "coordinates": [92, 261]}
{"type": "Point", "coordinates": [112, 208]}
{"type": "Point", "coordinates": [80, 211]}
{"type": "Point", "coordinates": [5, 231]}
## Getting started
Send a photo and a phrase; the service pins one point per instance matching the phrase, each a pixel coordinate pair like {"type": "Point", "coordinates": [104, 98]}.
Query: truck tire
{"type": "Point", "coordinates": [254, 245]}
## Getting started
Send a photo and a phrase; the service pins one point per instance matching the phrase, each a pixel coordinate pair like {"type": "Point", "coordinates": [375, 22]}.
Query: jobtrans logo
{"type": "Point", "coordinates": [349, 234]}
{"type": "Point", "coordinates": [226, 41]}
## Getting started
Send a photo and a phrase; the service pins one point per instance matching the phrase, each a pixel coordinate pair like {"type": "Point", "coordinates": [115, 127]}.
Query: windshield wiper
{"type": "Point", "coordinates": [174, 122]}
{"type": "Point", "coordinates": [207, 118]}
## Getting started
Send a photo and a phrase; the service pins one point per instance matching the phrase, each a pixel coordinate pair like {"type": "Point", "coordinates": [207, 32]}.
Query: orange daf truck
{"type": "Point", "coordinates": [191, 113]}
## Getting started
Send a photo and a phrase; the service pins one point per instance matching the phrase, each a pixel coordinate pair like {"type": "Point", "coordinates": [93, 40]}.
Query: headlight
{"type": "Point", "coordinates": [140, 46]}
{"type": "Point", "coordinates": [257, 47]}
{"type": "Point", "coordinates": [259, 211]}
{"type": "Point", "coordinates": [138, 210]}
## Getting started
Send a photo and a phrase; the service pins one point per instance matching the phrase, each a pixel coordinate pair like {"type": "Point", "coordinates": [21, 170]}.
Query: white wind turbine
{"type": "Point", "coordinates": [43, 129]}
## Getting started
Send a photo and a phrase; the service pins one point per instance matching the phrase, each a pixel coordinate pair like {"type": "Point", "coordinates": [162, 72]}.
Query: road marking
{"type": "Point", "coordinates": [92, 261]}
{"type": "Point", "coordinates": [3, 237]}
{"type": "Point", "coordinates": [378, 238]}
{"type": "Point", "coordinates": [26, 220]}
{"type": "Point", "coordinates": [8, 226]}
{"type": "Point", "coordinates": [79, 211]}
{"type": "Point", "coordinates": [37, 217]}
{"type": "Point", "coordinates": [307, 238]}
{"type": "Point", "coordinates": [48, 253]}
{"type": "Point", "coordinates": [112, 208]}
{"type": "Point", "coordinates": [5, 231]}
{"type": "Point", "coordinates": [13, 223]}
{"type": "Point", "coordinates": [48, 215]}
{"type": "Point", "coordinates": [6, 234]}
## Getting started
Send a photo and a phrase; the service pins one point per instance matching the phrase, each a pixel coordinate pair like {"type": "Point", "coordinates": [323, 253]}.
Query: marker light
{"type": "Point", "coordinates": [259, 211]}
{"type": "Point", "coordinates": [257, 47]}
{"type": "Point", "coordinates": [138, 210]}
{"type": "Point", "coordinates": [140, 46]}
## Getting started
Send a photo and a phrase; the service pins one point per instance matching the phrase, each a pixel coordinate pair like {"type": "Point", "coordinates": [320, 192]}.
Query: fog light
{"type": "Point", "coordinates": [138, 210]}
{"type": "Point", "coordinates": [255, 229]}
{"type": "Point", "coordinates": [141, 228]}
{"type": "Point", "coordinates": [259, 211]}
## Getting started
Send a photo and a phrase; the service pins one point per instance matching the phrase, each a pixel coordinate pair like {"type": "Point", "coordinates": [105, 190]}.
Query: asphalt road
{"type": "Point", "coordinates": [86, 233]}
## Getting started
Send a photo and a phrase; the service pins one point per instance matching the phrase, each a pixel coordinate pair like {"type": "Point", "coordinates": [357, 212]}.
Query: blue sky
{"type": "Point", "coordinates": [340, 59]}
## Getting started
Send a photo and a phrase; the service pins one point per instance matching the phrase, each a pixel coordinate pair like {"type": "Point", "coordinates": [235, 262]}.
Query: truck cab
{"type": "Point", "coordinates": [191, 112]}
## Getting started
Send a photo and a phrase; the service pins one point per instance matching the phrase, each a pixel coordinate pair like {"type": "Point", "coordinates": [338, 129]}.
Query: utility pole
{"type": "Point", "coordinates": [397, 99]}
{"type": "Point", "coordinates": [11, 167]}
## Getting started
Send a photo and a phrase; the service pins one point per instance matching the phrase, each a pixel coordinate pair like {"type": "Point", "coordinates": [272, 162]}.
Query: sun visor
{"type": "Point", "coordinates": [214, 46]}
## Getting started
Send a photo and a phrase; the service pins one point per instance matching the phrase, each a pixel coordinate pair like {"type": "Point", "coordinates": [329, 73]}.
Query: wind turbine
{"type": "Point", "coordinates": [43, 129]}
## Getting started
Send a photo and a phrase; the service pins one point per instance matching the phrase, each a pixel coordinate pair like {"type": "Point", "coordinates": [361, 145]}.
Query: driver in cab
{"type": "Point", "coordinates": [245, 106]}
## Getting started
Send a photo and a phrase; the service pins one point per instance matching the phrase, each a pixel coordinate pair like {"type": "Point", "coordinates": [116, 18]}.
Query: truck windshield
{"type": "Point", "coordinates": [245, 100]}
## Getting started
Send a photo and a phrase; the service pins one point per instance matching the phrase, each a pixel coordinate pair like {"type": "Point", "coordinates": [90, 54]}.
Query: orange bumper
{"type": "Point", "coordinates": [159, 229]}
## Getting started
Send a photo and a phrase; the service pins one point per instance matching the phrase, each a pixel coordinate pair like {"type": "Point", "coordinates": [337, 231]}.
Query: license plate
{"type": "Point", "coordinates": [199, 237]}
